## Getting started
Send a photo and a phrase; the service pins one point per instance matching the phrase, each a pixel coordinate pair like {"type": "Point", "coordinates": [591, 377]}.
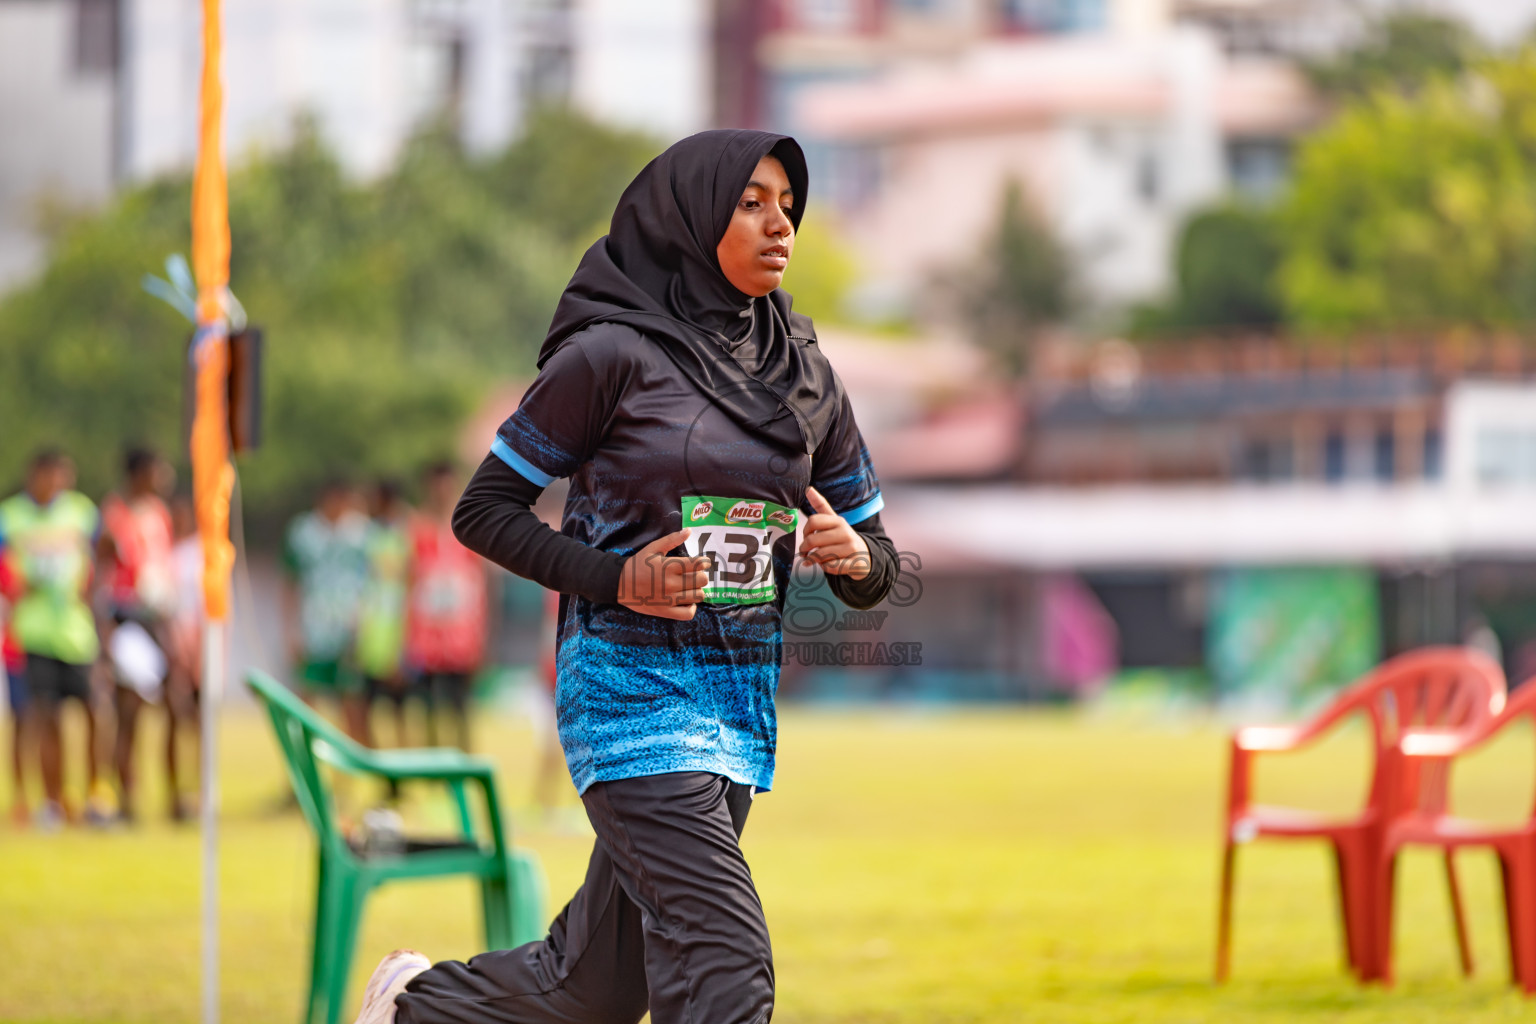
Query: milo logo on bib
{"type": "Point", "coordinates": [737, 536]}
{"type": "Point", "coordinates": [745, 512]}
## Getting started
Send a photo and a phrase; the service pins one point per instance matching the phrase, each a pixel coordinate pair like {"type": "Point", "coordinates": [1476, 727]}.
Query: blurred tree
{"type": "Point", "coordinates": [477, 281]}
{"type": "Point", "coordinates": [86, 359]}
{"type": "Point", "coordinates": [1400, 51]}
{"type": "Point", "coordinates": [390, 308]}
{"type": "Point", "coordinates": [1020, 283]}
{"type": "Point", "coordinates": [566, 173]}
{"type": "Point", "coordinates": [1226, 266]}
{"type": "Point", "coordinates": [821, 272]}
{"type": "Point", "coordinates": [1418, 211]}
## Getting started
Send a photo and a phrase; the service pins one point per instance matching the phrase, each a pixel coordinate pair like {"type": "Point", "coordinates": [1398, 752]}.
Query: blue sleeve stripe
{"type": "Point", "coordinates": [865, 510]}
{"type": "Point", "coordinates": [504, 452]}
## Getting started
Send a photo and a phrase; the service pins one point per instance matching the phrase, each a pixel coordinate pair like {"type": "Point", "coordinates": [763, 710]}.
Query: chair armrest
{"type": "Point", "coordinates": [441, 764]}
{"type": "Point", "coordinates": [411, 763]}
{"type": "Point", "coordinates": [1440, 744]}
{"type": "Point", "coordinates": [1249, 741]}
{"type": "Point", "coordinates": [1257, 739]}
{"type": "Point", "coordinates": [1273, 739]}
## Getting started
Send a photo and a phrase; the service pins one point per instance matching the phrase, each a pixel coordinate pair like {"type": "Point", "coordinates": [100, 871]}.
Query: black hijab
{"type": "Point", "coordinates": [656, 271]}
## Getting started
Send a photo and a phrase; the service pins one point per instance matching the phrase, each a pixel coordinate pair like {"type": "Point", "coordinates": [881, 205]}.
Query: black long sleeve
{"type": "Point", "coordinates": [495, 519]}
{"type": "Point", "coordinates": [883, 569]}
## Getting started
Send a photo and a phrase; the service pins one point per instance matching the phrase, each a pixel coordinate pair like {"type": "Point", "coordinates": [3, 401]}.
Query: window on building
{"type": "Point", "coordinates": [1434, 454]}
{"type": "Point", "coordinates": [827, 15]}
{"type": "Point", "coordinates": [1082, 15]}
{"type": "Point", "coordinates": [96, 36]}
{"type": "Point", "coordinates": [1258, 168]}
{"type": "Point", "coordinates": [1506, 456]}
{"type": "Point", "coordinates": [1384, 456]}
{"type": "Point", "coordinates": [1268, 460]}
{"type": "Point", "coordinates": [1149, 178]}
{"type": "Point", "coordinates": [1335, 457]}
{"type": "Point", "coordinates": [852, 172]}
{"type": "Point", "coordinates": [549, 75]}
{"type": "Point", "coordinates": [1053, 15]}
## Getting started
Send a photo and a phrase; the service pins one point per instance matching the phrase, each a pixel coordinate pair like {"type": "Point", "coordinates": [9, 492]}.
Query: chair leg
{"type": "Point", "coordinates": [529, 897]}
{"type": "Point", "coordinates": [1224, 913]}
{"type": "Point", "coordinates": [349, 913]}
{"type": "Point", "coordinates": [1383, 903]}
{"type": "Point", "coordinates": [1519, 871]}
{"type": "Point", "coordinates": [319, 956]}
{"type": "Point", "coordinates": [495, 900]}
{"type": "Point", "coordinates": [1356, 908]}
{"type": "Point", "coordinates": [1458, 913]}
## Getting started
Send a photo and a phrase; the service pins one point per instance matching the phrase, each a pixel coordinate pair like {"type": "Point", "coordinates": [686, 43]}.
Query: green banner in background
{"type": "Point", "coordinates": [1287, 637]}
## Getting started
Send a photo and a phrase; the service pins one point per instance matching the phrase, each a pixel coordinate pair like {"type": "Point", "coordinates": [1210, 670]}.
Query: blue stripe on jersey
{"type": "Point", "coordinates": [865, 510]}
{"type": "Point", "coordinates": [529, 440]}
{"type": "Point", "coordinates": [504, 452]}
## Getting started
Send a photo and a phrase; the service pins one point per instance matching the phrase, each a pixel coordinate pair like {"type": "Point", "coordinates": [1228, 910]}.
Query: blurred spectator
{"type": "Point", "coordinates": [326, 559]}
{"type": "Point", "coordinates": [15, 663]}
{"type": "Point", "coordinates": [449, 603]}
{"type": "Point", "coordinates": [381, 616]}
{"type": "Point", "coordinates": [48, 533]}
{"type": "Point", "coordinates": [184, 681]}
{"type": "Point", "coordinates": [139, 596]}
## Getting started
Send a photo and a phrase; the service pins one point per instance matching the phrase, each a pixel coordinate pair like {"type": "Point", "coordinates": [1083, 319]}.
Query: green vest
{"type": "Point", "coordinates": [50, 549]}
{"type": "Point", "coordinates": [381, 613]}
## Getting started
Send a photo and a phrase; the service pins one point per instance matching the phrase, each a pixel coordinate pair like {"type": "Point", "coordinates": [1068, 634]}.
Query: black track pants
{"type": "Point", "coordinates": [666, 920]}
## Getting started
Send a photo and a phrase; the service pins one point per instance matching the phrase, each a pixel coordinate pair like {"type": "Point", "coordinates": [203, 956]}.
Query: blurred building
{"type": "Point", "coordinates": [1115, 139]}
{"type": "Point", "coordinates": [765, 53]}
{"type": "Point", "coordinates": [1272, 27]}
{"type": "Point", "coordinates": [1119, 116]}
{"type": "Point", "coordinates": [96, 93]}
{"type": "Point", "coordinates": [58, 118]}
{"type": "Point", "coordinates": [1269, 517]}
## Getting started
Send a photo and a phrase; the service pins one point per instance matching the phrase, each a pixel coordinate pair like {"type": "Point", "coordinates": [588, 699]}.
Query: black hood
{"type": "Point", "coordinates": [656, 271]}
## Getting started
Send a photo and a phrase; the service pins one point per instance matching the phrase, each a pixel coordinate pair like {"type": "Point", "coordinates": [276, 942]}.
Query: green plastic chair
{"type": "Point", "coordinates": [512, 883]}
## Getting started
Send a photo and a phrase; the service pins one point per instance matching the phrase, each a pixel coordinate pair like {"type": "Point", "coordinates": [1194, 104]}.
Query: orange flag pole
{"type": "Point", "coordinates": [213, 477]}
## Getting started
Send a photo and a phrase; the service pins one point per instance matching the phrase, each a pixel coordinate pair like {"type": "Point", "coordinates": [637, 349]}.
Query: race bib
{"type": "Point", "coordinates": [737, 536]}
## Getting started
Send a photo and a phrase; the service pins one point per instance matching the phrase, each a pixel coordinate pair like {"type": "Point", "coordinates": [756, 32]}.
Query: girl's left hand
{"type": "Point", "coordinates": [830, 542]}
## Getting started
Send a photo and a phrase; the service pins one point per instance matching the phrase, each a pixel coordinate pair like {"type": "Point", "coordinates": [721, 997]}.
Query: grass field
{"type": "Point", "coordinates": [917, 868]}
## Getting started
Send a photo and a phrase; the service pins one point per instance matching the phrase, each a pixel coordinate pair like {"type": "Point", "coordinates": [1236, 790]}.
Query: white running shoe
{"type": "Point", "coordinates": [387, 981]}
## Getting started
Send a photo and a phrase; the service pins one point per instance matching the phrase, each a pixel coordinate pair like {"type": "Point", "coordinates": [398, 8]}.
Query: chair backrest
{"type": "Point", "coordinates": [299, 727]}
{"type": "Point", "coordinates": [1521, 704]}
{"type": "Point", "coordinates": [1430, 688]}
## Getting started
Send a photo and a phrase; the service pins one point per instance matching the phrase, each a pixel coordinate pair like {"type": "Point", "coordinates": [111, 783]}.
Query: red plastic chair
{"type": "Point", "coordinates": [1444, 687]}
{"type": "Point", "coordinates": [1428, 755]}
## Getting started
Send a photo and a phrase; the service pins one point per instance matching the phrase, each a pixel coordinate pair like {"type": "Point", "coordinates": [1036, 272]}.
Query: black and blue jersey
{"type": "Point", "coordinates": [639, 694]}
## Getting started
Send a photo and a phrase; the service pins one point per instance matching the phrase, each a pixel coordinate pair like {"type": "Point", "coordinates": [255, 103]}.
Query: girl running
{"type": "Point", "coordinates": [691, 410]}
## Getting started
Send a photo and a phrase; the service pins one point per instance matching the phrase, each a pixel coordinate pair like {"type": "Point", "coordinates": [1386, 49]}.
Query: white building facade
{"type": "Point", "coordinates": [96, 93]}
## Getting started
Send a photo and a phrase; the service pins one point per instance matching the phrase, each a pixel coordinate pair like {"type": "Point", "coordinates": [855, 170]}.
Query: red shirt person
{"type": "Point", "coordinates": [139, 587]}
{"type": "Point", "coordinates": [15, 661]}
{"type": "Point", "coordinates": [447, 609]}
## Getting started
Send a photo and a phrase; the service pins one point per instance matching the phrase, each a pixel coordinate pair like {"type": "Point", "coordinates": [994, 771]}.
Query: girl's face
{"type": "Point", "coordinates": [761, 237]}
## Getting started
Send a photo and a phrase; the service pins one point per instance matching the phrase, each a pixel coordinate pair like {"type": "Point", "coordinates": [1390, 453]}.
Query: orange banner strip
{"type": "Point", "coordinates": [213, 477]}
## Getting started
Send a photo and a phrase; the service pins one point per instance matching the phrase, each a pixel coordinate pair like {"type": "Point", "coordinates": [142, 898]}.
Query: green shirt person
{"type": "Point", "coordinates": [326, 559]}
{"type": "Point", "coordinates": [381, 612]}
{"type": "Point", "coordinates": [48, 537]}
{"type": "Point", "coordinates": [49, 540]}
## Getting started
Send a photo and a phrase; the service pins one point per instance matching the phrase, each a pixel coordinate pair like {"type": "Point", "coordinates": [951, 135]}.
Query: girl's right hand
{"type": "Point", "coordinates": [669, 587]}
